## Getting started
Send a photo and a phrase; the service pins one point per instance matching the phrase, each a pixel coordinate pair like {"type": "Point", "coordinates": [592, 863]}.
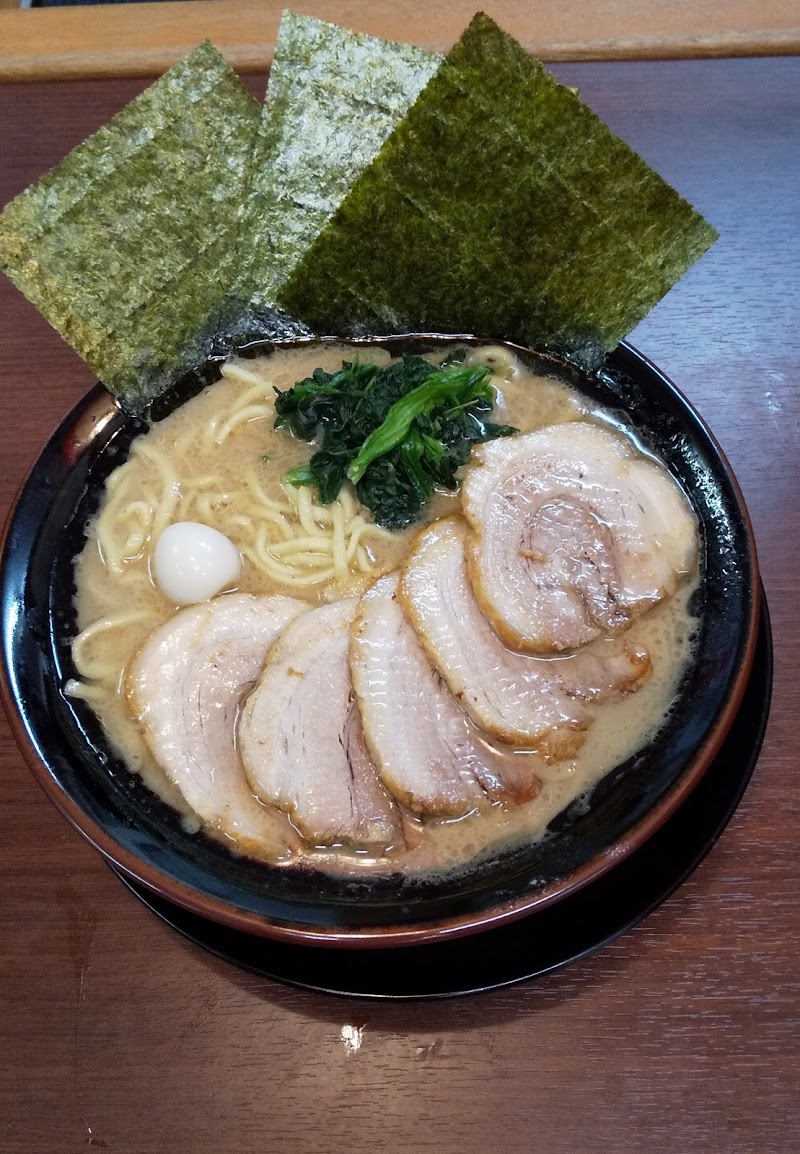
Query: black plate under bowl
{"type": "Point", "coordinates": [538, 943]}
{"type": "Point", "coordinates": [78, 769]}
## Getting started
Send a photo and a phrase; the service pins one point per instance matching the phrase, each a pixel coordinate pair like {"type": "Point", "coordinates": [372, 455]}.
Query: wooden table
{"type": "Point", "coordinates": [144, 39]}
{"type": "Point", "coordinates": [118, 1034]}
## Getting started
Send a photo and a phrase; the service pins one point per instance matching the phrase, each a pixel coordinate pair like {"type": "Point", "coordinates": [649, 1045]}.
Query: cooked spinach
{"type": "Point", "coordinates": [396, 433]}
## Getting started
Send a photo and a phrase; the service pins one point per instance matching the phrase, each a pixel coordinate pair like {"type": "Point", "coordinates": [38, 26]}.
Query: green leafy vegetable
{"type": "Point", "coordinates": [450, 389]}
{"type": "Point", "coordinates": [396, 433]}
{"type": "Point", "coordinates": [500, 205]}
{"type": "Point", "coordinates": [128, 245]}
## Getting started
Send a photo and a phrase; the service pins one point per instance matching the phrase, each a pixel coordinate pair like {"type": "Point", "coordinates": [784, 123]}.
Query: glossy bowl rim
{"type": "Point", "coordinates": [387, 935]}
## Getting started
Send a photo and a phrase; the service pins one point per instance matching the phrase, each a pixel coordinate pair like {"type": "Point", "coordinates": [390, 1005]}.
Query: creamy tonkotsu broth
{"type": "Point", "coordinates": [218, 460]}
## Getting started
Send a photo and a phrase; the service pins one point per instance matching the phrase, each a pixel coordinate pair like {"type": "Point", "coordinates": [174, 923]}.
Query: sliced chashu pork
{"type": "Point", "coordinates": [301, 742]}
{"type": "Point", "coordinates": [426, 749]}
{"type": "Point", "coordinates": [574, 534]}
{"type": "Point", "coordinates": [521, 699]}
{"type": "Point", "coordinates": [185, 687]}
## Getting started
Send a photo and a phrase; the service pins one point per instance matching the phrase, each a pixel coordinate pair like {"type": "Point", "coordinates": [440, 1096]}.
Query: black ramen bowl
{"type": "Point", "coordinates": [143, 837]}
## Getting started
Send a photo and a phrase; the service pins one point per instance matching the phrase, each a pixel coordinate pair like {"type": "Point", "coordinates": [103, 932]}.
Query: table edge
{"type": "Point", "coordinates": [145, 39]}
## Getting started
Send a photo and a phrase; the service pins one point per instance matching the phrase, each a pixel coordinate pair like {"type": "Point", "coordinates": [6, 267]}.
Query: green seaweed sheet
{"type": "Point", "coordinates": [334, 96]}
{"type": "Point", "coordinates": [128, 246]}
{"type": "Point", "coordinates": [502, 206]}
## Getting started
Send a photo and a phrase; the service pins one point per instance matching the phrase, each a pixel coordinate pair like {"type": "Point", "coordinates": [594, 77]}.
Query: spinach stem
{"type": "Point", "coordinates": [464, 385]}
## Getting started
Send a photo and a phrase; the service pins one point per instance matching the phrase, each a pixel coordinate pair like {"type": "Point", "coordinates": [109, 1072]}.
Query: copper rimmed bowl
{"type": "Point", "coordinates": [72, 760]}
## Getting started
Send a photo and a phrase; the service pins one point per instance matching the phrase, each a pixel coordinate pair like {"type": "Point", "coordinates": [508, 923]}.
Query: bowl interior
{"type": "Point", "coordinates": [80, 771]}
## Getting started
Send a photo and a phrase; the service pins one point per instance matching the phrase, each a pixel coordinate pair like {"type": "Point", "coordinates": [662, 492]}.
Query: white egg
{"type": "Point", "coordinates": [192, 562]}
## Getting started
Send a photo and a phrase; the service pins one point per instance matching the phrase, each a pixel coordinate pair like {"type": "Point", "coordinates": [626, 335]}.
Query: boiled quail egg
{"type": "Point", "coordinates": [192, 562]}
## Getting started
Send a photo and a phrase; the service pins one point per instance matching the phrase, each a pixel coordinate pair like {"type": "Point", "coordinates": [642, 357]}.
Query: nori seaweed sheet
{"type": "Point", "coordinates": [128, 246]}
{"type": "Point", "coordinates": [501, 206]}
{"type": "Point", "coordinates": [334, 96]}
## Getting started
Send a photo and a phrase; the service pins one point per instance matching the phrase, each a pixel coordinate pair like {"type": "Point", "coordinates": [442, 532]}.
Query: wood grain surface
{"type": "Point", "coordinates": [141, 39]}
{"type": "Point", "coordinates": [117, 1034]}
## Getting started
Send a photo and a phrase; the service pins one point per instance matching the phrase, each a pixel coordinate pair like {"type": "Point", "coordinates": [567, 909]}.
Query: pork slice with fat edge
{"type": "Point", "coordinates": [301, 741]}
{"type": "Point", "coordinates": [185, 687]}
{"type": "Point", "coordinates": [427, 751]}
{"type": "Point", "coordinates": [573, 535]}
{"type": "Point", "coordinates": [538, 703]}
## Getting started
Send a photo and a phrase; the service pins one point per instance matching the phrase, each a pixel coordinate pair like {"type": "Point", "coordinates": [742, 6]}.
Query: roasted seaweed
{"type": "Point", "coordinates": [502, 206]}
{"type": "Point", "coordinates": [128, 246]}
{"type": "Point", "coordinates": [334, 96]}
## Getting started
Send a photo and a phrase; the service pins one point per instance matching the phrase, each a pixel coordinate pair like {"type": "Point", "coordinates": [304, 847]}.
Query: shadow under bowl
{"type": "Point", "coordinates": [79, 770]}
